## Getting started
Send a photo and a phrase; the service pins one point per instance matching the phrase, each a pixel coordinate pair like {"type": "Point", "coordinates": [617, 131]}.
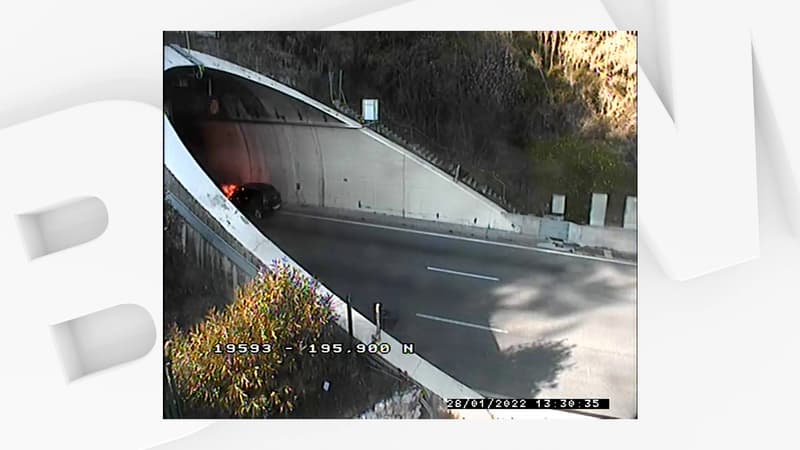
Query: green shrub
{"type": "Point", "coordinates": [279, 307]}
{"type": "Point", "coordinates": [578, 167]}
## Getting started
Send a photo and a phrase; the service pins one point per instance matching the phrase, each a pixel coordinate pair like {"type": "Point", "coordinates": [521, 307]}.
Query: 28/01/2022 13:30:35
{"type": "Point", "coordinates": [528, 403]}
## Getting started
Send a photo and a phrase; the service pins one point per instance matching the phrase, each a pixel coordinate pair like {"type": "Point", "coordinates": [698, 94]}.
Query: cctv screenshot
{"type": "Point", "coordinates": [399, 225]}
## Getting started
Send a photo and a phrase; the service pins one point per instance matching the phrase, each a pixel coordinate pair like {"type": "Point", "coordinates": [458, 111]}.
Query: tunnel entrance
{"type": "Point", "coordinates": [235, 128]}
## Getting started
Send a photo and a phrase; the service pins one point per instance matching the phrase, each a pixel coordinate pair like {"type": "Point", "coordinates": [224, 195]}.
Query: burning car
{"type": "Point", "coordinates": [253, 199]}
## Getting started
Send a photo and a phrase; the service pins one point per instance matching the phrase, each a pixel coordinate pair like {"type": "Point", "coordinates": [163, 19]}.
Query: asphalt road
{"type": "Point", "coordinates": [504, 321]}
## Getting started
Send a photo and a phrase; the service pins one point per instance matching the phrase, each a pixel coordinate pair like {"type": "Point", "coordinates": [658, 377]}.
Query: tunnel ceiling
{"type": "Point", "coordinates": [217, 95]}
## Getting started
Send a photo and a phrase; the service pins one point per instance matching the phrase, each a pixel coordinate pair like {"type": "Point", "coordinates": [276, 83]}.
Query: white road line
{"type": "Point", "coordinates": [463, 274]}
{"type": "Point", "coordinates": [461, 238]}
{"type": "Point", "coordinates": [464, 324]}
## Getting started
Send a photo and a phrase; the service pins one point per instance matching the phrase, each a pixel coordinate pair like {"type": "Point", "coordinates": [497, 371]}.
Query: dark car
{"type": "Point", "coordinates": [254, 199]}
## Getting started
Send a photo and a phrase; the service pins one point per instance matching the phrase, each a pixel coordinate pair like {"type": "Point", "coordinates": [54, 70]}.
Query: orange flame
{"type": "Point", "coordinates": [228, 189]}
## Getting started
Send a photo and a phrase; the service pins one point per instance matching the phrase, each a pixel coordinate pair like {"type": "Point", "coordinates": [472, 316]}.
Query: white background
{"type": "Point", "coordinates": [718, 365]}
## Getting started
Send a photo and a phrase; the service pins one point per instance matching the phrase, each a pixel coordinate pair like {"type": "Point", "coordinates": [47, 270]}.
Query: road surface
{"type": "Point", "coordinates": [507, 322]}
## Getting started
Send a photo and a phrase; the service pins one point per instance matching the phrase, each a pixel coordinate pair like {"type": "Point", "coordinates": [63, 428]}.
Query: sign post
{"type": "Point", "coordinates": [350, 320]}
{"type": "Point", "coordinates": [377, 336]}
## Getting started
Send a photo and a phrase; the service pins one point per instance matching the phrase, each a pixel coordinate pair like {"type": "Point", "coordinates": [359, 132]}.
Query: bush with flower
{"type": "Point", "coordinates": [280, 307]}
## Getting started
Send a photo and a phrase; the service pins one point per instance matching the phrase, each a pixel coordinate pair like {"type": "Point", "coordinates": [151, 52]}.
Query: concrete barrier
{"type": "Point", "coordinates": [619, 239]}
{"type": "Point", "coordinates": [597, 213]}
{"type": "Point", "coordinates": [629, 220]}
{"type": "Point", "coordinates": [526, 223]}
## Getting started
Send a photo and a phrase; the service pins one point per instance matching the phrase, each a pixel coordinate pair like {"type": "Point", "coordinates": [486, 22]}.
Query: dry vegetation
{"type": "Point", "coordinates": [601, 66]}
{"type": "Point", "coordinates": [280, 307]}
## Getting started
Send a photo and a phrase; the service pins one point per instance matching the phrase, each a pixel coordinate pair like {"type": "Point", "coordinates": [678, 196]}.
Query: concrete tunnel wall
{"type": "Point", "coordinates": [340, 167]}
{"type": "Point", "coordinates": [338, 164]}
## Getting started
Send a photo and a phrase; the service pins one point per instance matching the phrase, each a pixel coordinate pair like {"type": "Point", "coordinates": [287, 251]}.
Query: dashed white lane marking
{"type": "Point", "coordinates": [463, 274]}
{"type": "Point", "coordinates": [463, 324]}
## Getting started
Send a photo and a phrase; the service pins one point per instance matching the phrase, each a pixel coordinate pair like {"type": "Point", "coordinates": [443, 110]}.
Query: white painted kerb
{"type": "Point", "coordinates": [186, 170]}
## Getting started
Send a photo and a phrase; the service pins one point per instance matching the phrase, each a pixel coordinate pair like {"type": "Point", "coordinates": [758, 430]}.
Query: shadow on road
{"type": "Point", "coordinates": [524, 370]}
{"type": "Point", "coordinates": [543, 303]}
{"type": "Point", "coordinates": [474, 357]}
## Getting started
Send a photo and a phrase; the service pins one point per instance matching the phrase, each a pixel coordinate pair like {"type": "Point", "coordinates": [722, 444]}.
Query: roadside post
{"type": "Point", "coordinates": [377, 336]}
{"type": "Point", "coordinates": [350, 320]}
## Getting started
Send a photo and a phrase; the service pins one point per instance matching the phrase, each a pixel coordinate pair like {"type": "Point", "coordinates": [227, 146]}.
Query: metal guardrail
{"type": "Point", "coordinates": [210, 236]}
{"type": "Point", "coordinates": [172, 401]}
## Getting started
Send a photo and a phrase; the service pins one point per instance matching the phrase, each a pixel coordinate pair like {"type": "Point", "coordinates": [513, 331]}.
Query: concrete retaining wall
{"type": "Point", "coordinates": [354, 169]}
{"type": "Point", "coordinates": [334, 163]}
{"type": "Point", "coordinates": [343, 168]}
